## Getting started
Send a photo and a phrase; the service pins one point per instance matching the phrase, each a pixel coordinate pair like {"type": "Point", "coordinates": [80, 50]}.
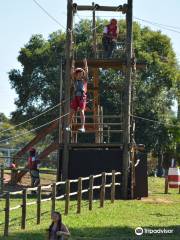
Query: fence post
{"type": "Point", "coordinates": [1, 179]}
{"type": "Point", "coordinates": [67, 198]}
{"type": "Point", "coordinates": [24, 201]}
{"type": "Point", "coordinates": [102, 189]}
{"type": "Point", "coordinates": [113, 186]}
{"type": "Point", "coordinates": [53, 197]}
{"type": "Point", "coordinates": [166, 185]}
{"type": "Point", "coordinates": [14, 173]}
{"type": "Point", "coordinates": [91, 183]}
{"type": "Point", "coordinates": [39, 205]}
{"type": "Point", "coordinates": [7, 210]}
{"type": "Point", "coordinates": [79, 195]}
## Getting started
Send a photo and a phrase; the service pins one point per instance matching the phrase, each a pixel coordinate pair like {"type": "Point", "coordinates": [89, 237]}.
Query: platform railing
{"type": "Point", "coordinates": [97, 51]}
{"type": "Point", "coordinates": [105, 126]}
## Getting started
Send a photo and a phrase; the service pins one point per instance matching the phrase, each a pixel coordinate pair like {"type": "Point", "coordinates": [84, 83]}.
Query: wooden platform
{"type": "Point", "coordinates": [109, 63]}
{"type": "Point", "coordinates": [93, 145]}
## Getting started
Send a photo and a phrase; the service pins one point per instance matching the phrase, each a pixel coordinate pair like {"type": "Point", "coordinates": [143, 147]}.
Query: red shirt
{"type": "Point", "coordinates": [32, 163]}
{"type": "Point", "coordinates": [112, 30]}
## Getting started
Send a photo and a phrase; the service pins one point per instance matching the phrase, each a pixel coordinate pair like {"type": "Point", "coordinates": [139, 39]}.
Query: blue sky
{"type": "Point", "coordinates": [19, 19]}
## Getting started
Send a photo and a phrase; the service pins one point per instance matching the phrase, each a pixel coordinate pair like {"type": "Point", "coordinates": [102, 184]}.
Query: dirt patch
{"type": "Point", "coordinates": [155, 200]}
{"type": "Point", "coordinates": [46, 179]}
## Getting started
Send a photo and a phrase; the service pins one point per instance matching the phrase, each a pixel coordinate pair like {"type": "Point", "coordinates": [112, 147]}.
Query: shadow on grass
{"type": "Point", "coordinates": [101, 233]}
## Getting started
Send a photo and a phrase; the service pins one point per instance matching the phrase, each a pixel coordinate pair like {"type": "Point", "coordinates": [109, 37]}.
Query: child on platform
{"type": "Point", "coordinates": [109, 39]}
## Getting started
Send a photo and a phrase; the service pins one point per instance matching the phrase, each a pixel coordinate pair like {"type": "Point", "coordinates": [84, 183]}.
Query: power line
{"type": "Point", "coordinates": [160, 24]}
{"type": "Point", "coordinates": [92, 29]}
{"type": "Point", "coordinates": [29, 120]}
{"type": "Point", "coordinates": [34, 129]}
{"type": "Point", "coordinates": [48, 14]}
{"type": "Point", "coordinates": [154, 121]}
{"type": "Point", "coordinates": [163, 26]}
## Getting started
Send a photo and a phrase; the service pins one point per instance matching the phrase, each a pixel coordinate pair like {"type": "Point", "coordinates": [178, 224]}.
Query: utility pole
{"type": "Point", "coordinates": [67, 84]}
{"type": "Point", "coordinates": [127, 100]}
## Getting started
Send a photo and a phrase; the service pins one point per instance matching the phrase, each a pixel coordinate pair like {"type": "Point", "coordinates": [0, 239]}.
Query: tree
{"type": "Point", "coordinates": [38, 83]}
{"type": "Point", "coordinates": [12, 138]}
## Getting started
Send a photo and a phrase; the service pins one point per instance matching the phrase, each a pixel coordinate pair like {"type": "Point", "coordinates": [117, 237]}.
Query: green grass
{"type": "Point", "coordinates": [113, 222]}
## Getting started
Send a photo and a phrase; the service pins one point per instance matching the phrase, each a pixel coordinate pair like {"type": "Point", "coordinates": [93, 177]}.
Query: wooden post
{"type": "Point", "coordinates": [101, 127]}
{"type": "Point", "coordinates": [14, 173]}
{"type": "Point", "coordinates": [108, 134]}
{"type": "Point", "coordinates": [98, 134]}
{"type": "Point", "coordinates": [1, 179]}
{"type": "Point", "coordinates": [67, 197]}
{"type": "Point", "coordinates": [113, 186]}
{"type": "Point", "coordinates": [94, 31]}
{"type": "Point", "coordinates": [53, 199]}
{"type": "Point", "coordinates": [74, 135]}
{"type": "Point", "coordinates": [24, 201]}
{"type": "Point", "coordinates": [79, 195]}
{"type": "Point", "coordinates": [67, 85]}
{"type": "Point", "coordinates": [127, 101]}
{"type": "Point", "coordinates": [166, 185]}
{"type": "Point", "coordinates": [132, 171]}
{"type": "Point", "coordinates": [96, 101]}
{"type": "Point", "coordinates": [91, 183]}
{"type": "Point", "coordinates": [58, 176]}
{"type": "Point", "coordinates": [103, 189]}
{"type": "Point", "coordinates": [39, 205]}
{"type": "Point", "coordinates": [7, 210]}
{"type": "Point", "coordinates": [60, 100]}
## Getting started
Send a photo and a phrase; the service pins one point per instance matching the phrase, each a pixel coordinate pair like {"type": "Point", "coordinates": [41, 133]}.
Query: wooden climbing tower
{"type": "Point", "coordinates": [96, 122]}
{"type": "Point", "coordinates": [94, 64]}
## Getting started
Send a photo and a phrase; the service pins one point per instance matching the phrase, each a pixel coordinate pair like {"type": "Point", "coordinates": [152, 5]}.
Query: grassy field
{"type": "Point", "coordinates": [115, 221]}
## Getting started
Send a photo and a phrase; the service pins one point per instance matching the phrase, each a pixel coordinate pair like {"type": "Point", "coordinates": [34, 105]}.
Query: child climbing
{"type": "Point", "coordinates": [79, 78]}
{"type": "Point", "coordinates": [109, 40]}
{"type": "Point", "coordinates": [33, 166]}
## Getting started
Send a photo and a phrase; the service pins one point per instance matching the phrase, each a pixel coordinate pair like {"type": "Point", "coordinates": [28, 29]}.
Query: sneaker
{"type": "Point", "coordinates": [81, 129]}
{"type": "Point", "coordinates": [68, 129]}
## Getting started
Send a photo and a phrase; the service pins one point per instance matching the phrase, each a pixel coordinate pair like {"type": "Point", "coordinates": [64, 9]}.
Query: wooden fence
{"type": "Point", "coordinates": [66, 196]}
{"type": "Point", "coordinates": [15, 171]}
{"type": "Point", "coordinates": [1, 179]}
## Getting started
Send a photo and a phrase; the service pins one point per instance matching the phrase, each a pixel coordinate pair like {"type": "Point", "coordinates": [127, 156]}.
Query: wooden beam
{"type": "Point", "coordinates": [110, 63]}
{"type": "Point", "coordinates": [120, 8]}
{"type": "Point", "coordinates": [93, 145]}
{"type": "Point", "coordinates": [52, 147]}
{"type": "Point", "coordinates": [35, 140]}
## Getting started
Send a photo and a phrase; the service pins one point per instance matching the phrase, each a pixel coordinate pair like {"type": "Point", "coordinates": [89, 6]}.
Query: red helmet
{"type": "Point", "coordinates": [113, 21]}
{"type": "Point", "coordinates": [13, 165]}
{"type": "Point", "coordinates": [32, 150]}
